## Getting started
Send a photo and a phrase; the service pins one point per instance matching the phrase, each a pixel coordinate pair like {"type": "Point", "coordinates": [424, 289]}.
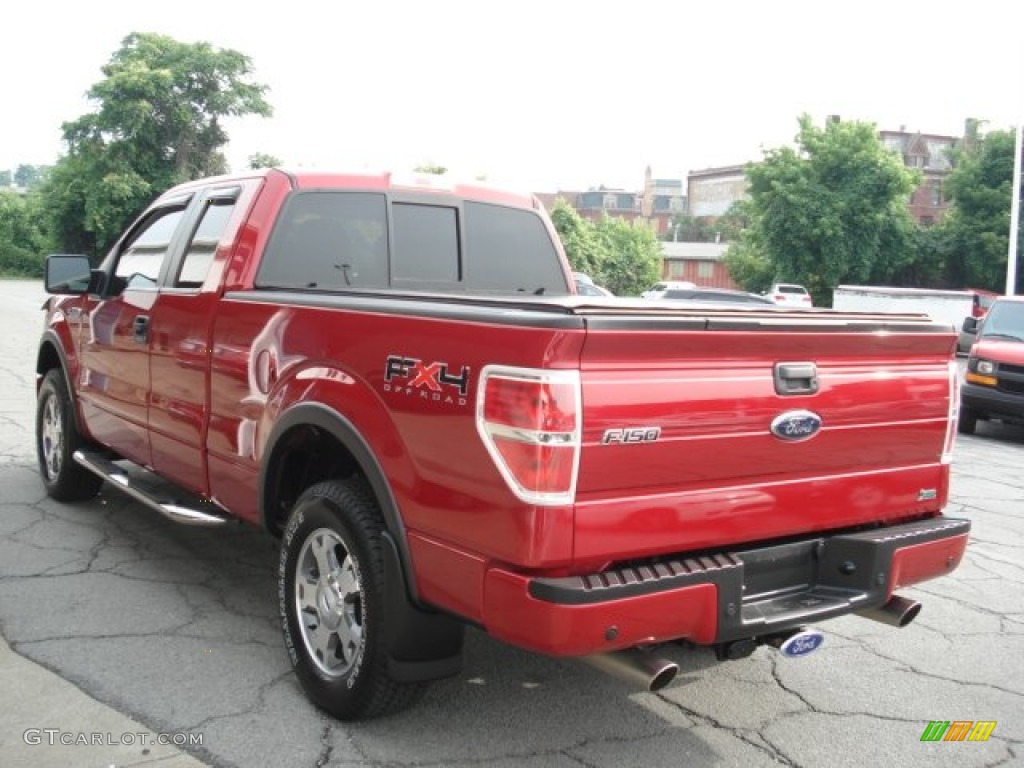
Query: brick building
{"type": "Point", "coordinates": [930, 154]}
{"type": "Point", "coordinates": [700, 263]}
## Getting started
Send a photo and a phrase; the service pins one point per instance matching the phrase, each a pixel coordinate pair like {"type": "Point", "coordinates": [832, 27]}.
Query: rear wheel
{"type": "Point", "coordinates": [967, 422]}
{"type": "Point", "coordinates": [57, 439]}
{"type": "Point", "coordinates": [331, 593]}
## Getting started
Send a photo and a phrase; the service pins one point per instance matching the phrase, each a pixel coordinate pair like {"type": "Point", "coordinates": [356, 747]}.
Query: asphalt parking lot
{"type": "Point", "coordinates": [176, 628]}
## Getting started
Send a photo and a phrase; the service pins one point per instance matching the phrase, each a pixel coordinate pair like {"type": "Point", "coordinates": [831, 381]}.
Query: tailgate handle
{"type": "Point", "coordinates": [796, 379]}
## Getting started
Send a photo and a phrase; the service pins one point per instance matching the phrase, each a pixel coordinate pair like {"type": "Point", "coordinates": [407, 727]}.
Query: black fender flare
{"type": "Point", "coordinates": [50, 338]}
{"type": "Point", "coordinates": [423, 644]}
{"type": "Point", "coordinates": [341, 429]}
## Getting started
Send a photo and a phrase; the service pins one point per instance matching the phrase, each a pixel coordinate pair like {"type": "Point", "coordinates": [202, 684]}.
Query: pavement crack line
{"type": "Point", "coordinates": [326, 748]}
{"type": "Point", "coordinates": [903, 665]}
{"type": "Point", "coordinates": [764, 746]}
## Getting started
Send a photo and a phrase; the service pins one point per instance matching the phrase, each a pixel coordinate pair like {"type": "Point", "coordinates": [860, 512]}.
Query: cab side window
{"type": "Point", "coordinates": [201, 249]}
{"type": "Point", "coordinates": [139, 263]}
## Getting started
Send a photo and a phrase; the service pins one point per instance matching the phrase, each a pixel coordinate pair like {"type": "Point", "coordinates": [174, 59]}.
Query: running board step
{"type": "Point", "coordinates": [169, 508]}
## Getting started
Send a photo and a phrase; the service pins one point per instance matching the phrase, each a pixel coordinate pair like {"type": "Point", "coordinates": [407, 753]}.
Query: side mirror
{"type": "Point", "coordinates": [67, 273]}
{"type": "Point", "coordinates": [970, 325]}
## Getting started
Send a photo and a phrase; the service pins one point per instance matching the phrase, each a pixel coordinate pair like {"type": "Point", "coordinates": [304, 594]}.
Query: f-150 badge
{"type": "Point", "coordinates": [794, 426]}
{"type": "Point", "coordinates": [629, 435]}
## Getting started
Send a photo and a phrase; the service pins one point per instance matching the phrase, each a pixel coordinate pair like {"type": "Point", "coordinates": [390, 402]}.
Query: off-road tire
{"type": "Point", "coordinates": [57, 438]}
{"type": "Point", "coordinates": [334, 624]}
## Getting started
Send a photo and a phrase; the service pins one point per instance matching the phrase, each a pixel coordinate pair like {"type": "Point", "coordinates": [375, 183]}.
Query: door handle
{"type": "Point", "coordinates": [140, 325]}
{"type": "Point", "coordinates": [796, 379]}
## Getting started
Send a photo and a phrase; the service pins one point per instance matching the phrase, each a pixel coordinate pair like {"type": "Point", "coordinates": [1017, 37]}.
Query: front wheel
{"type": "Point", "coordinates": [331, 594]}
{"type": "Point", "coordinates": [57, 439]}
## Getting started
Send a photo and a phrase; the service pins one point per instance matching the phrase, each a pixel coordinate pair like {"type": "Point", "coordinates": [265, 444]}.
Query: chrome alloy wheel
{"type": "Point", "coordinates": [52, 436]}
{"type": "Point", "coordinates": [328, 600]}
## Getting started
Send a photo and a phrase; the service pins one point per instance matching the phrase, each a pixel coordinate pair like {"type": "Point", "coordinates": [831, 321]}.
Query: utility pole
{"type": "Point", "coordinates": [1011, 258]}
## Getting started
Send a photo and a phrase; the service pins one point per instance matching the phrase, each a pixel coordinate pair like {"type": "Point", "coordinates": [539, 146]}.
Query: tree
{"type": "Point", "coordinates": [5, 178]}
{"type": "Point", "coordinates": [262, 160]}
{"type": "Point", "coordinates": [157, 122]}
{"type": "Point", "coordinates": [748, 267]}
{"type": "Point", "coordinates": [31, 176]}
{"type": "Point", "coordinates": [586, 253]}
{"type": "Point", "coordinates": [833, 210]}
{"type": "Point", "coordinates": [623, 257]}
{"type": "Point", "coordinates": [976, 230]}
{"type": "Point", "coordinates": [23, 242]}
{"type": "Point", "coordinates": [685, 228]}
{"type": "Point", "coordinates": [633, 256]}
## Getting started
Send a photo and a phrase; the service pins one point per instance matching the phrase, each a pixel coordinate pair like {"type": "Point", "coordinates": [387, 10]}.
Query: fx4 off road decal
{"type": "Point", "coordinates": [435, 382]}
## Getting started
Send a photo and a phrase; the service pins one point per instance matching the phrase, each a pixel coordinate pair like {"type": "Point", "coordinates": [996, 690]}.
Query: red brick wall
{"type": "Point", "coordinates": [687, 269]}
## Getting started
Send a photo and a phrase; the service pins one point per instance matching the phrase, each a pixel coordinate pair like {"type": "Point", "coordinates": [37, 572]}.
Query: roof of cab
{"type": "Point", "coordinates": [420, 183]}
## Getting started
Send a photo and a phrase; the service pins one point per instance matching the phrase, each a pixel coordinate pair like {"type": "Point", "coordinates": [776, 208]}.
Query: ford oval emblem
{"type": "Point", "coordinates": [802, 643]}
{"type": "Point", "coordinates": [796, 425]}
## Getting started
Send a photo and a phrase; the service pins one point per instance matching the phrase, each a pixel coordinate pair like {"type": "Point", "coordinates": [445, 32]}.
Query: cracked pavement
{"type": "Point", "coordinates": [177, 628]}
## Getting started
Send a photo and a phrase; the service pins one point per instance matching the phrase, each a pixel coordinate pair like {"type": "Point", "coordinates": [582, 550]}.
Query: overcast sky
{"type": "Point", "coordinates": [547, 95]}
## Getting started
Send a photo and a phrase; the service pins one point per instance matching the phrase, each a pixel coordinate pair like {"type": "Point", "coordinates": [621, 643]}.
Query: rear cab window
{"type": "Point", "coordinates": [351, 241]}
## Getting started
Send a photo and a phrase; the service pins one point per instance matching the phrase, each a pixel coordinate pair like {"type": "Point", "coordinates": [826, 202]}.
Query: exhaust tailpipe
{"type": "Point", "coordinates": [898, 612]}
{"type": "Point", "coordinates": [639, 668]}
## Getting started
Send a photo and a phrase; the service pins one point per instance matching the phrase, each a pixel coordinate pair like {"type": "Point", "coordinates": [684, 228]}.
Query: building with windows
{"type": "Point", "coordinates": [712, 191]}
{"type": "Point", "coordinates": [932, 156]}
{"type": "Point", "coordinates": [656, 204]}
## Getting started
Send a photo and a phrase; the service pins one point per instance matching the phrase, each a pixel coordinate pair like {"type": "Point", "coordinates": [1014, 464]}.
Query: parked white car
{"type": "Point", "coordinates": [657, 291]}
{"type": "Point", "coordinates": [789, 295]}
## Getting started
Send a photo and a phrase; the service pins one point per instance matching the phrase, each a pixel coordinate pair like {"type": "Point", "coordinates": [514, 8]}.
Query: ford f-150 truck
{"type": "Point", "coordinates": [397, 379]}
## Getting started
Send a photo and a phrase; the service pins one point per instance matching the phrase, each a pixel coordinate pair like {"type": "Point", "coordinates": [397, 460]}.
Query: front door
{"type": "Point", "coordinates": [114, 374]}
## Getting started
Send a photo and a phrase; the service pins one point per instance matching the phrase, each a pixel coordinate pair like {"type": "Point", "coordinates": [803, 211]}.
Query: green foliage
{"type": "Point", "coordinates": [31, 176]}
{"type": "Point", "coordinates": [23, 243]}
{"type": "Point", "coordinates": [623, 257]}
{"type": "Point", "coordinates": [262, 160]}
{"type": "Point", "coordinates": [684, 228]}
{"type": "Point", "coordinates": [748, 267]}
{"type": "Point", "coordinates": [632, 259]}
{"type": "Point", "coordinates": [975, 232]}
{"type": "Point", "coordinates": [586, 253]}
{"type": "Point", "coordinates": [731, 225]}
{"type": "Point", "coordinates": [834, 210]}
{"type": "Point", "coordinates": [5, 178]}
{"type": "Point", "coordinates": [726, 228]}
{"type": "Point", "coordinates": [436, 170]}
{"type": "Point", "coordinates": [156, 124]}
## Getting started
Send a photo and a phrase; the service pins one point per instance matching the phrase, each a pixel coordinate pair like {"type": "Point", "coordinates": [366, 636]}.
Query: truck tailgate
{"type": "Point", "coordinates": [679, 448]}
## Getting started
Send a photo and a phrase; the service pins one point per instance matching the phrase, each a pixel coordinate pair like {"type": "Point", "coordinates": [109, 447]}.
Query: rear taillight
{"type": "Point", "coordinates": [954, 412]}
{"type": "Point", "coordinates": [529, 420]}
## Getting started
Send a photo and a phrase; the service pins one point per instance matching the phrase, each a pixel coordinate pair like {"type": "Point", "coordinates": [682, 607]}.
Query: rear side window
{"type": "Point", "coordinates": [510, 251]}
{"type": "Point", "coordinates": [330, 241]}
{"type": "Point", "coordinates": [203, 246]}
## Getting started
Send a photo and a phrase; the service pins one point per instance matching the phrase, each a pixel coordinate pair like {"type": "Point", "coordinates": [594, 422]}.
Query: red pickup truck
{"type": "Point", "coordinates": [398, 380]}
